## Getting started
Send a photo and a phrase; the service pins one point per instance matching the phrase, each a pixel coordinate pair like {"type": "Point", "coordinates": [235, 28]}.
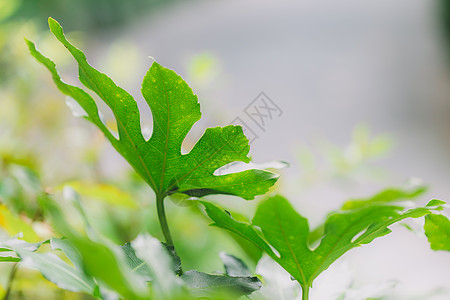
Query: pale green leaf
{"type": "Point", "coordinates": [437, 229]}
{"type": "Point", "coordinates": [58, 272]}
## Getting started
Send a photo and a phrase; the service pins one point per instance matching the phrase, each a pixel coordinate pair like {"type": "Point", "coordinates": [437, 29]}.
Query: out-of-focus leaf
{"type": "Point", "coordinates": [136, 264]}
{"type": "Point", "coordinates": [286, 232]}
{"type": "Point", "coordinates": [58, 272]}
{"type": "Point", "coordinates": [437, 229]}
{"type": "Point", "coordinates": [175, 110]}
{"type": "Point", "coordinates": [67, 247]}
{"type": "Point", "coordinates": [14, 244]}
{"type": "Point", "coordinates": [277, 282]}
{"type": "Point", "coordinates": [207, 285]}
{"type": "Point", "coordinates": [386, 196]}
{"type": "Point", "coordinates": [109, 267]}
{"type": "Point", "coordinates": [14, 225]}
{"type": "Point", "coordinates": [9, 249]}
{"type": "Point", "coordinates": [165, 284]}
{"type": "Point", "coordinates": [104, 262]}
{"type": "Point", "coordinates": [103, 192]}
{"type": "Point", "coordinates": [234, 266]}
{"type": "Point", "coordinates": [9, 259]}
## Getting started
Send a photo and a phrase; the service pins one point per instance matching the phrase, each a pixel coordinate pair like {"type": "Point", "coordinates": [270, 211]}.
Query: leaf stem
{"type": "Point", "coordinates": [10, 282]}
{"type": "Point", "coordinates": [163, 220]}
{"type": "Point", "coordinates": [305, 292]}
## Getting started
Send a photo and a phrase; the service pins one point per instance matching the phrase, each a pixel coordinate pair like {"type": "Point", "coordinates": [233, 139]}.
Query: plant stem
{"type": "Point", "coordinates": [10, 281]}
{"type": "Point", "coordinates": [163, 219]}
{"type": "Point", "coordinates": [305, 292]}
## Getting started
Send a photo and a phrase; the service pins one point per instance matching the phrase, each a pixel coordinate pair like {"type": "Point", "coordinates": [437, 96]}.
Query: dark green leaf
{"type": "Point", "coordinates": [285, 231]}
{"type": "Point", "coordinates": [175, 109]}
{"type": "Point", "coordinates": [437, 229]}
{"type": "Point", "coordinates": [205, 285]}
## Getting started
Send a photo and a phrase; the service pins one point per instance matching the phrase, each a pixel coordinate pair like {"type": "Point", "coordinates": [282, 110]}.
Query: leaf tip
{"type": "Point", "coordinates": [55, 27]}
{"type": "Point", "coordinates": [30, 44]}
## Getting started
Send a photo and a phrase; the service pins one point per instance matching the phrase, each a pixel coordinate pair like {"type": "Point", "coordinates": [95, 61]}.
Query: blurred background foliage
{"type": "Point", "coordinates": [44, 150]}
{"type": "Point", "coordinates": [82, 15]}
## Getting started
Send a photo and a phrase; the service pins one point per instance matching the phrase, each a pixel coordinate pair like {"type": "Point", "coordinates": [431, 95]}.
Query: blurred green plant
{"type": "Point", "coordinates": [79, 15]}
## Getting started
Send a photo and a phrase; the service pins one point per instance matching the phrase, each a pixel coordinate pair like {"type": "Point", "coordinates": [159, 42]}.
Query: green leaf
{"type": "Point", "coordinates": [9, 259]}
{"type": "Point", "coordinates": [58, 272]}
{"type": "Point", "coordinates": [387, 196]}
{"type": "Point", "coordinates": [14, 225]}
{"type": "Point", "coordinates": [102, 261]}
{"type": "Point", "coordinates": [278, 226]}
{"type": "Point", "coordinates": [165, 284]}
{"type": "Point", "coordinates": [175, 109]}
{"type": "Point", "coordinates": [109, 267]}
{"type": "Point", "coordinates": [437, 229]}
{"type": "Point", "coordinates": [204, 285]}
{"type": "Point", "coordinates": [103, 192]}
{"type": "Point", "coordinates": [69, 249]}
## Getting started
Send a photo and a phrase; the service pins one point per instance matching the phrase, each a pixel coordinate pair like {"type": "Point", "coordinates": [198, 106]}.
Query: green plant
{"type": "Point", "coordinates": [145, 268]}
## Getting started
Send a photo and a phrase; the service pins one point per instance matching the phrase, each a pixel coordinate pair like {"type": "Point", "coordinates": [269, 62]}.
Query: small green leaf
{"type": "Point", "coordinates": [287, 233]}
{"type": "Point", "coordinates": [175, 109]}
{"type": "Point", "coordinates": [437, 229]}
{"type": "Point", "coordinates": [204, 285]}
{"type": "Point", "coordinates": [387, 196]}
{"type": "Point", "coordinates": [102, 261]}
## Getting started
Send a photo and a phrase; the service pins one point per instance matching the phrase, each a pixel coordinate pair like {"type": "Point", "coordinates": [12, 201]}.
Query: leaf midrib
{"type": "Point", "coordinates": [70, 271]}
{"type": "Point", "coordinates": [277, 216]}
{"type": "Point", "coordinates": [166, 146]}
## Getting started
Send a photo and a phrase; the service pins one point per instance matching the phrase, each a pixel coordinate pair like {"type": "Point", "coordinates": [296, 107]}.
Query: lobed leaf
{"type": "Point", "coordinates": [284, 233]}
{"type": "Point", "coordinates": [175, 109]}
